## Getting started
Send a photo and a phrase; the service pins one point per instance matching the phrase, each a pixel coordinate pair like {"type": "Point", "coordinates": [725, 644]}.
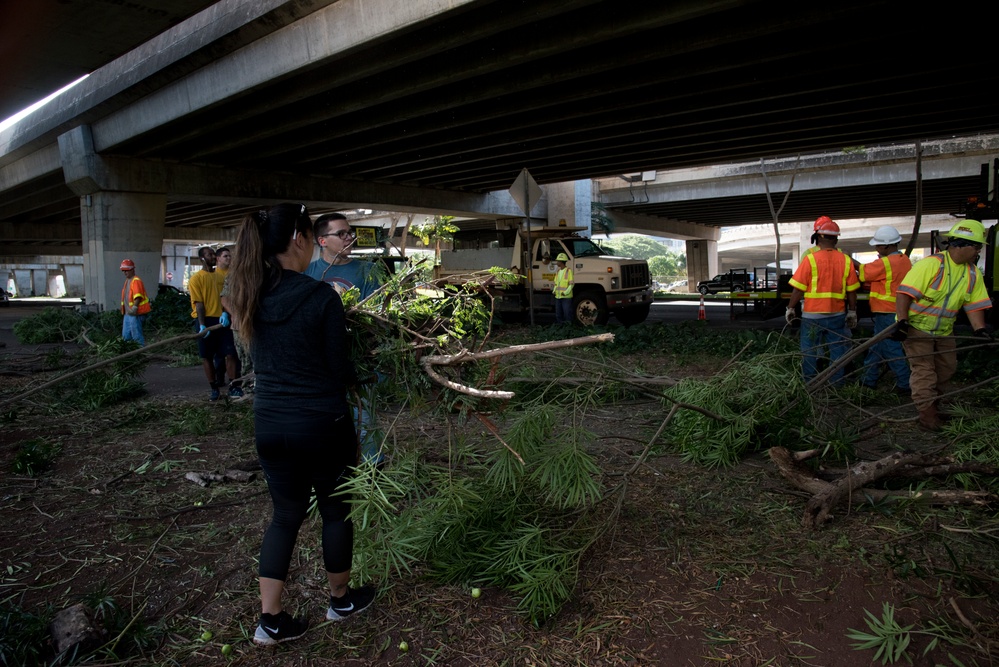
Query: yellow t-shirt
{"type": "Point", "coordinates": [206, 287]}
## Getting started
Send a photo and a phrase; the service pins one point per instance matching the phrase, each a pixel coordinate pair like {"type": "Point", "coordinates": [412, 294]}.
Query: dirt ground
{"type": "Point", "coordinates": [706, 567]}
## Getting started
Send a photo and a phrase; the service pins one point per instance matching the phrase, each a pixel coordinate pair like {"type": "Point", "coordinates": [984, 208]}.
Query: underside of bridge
{"type": "Point", "coordinates": [461, 100]}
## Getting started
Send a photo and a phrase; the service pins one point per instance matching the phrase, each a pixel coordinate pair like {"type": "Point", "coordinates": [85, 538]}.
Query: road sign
{"type": "Point", "coordinates": [525, 191]}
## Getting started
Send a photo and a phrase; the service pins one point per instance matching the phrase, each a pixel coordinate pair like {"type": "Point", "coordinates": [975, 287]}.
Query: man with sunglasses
{"type": "Point", "coordinates": [926, 306]}
{"type": "Point", "coordinates": [334, 265]}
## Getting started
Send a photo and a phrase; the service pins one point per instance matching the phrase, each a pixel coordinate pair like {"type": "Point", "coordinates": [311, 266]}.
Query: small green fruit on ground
{"type": "Point", "coordinates": [476, 592]}
{"type": "Point", "coordinates": [206, 636]}
{"type": "Point", "coordinates": [403, 646]}
{"type": "Point", "coordinates": [226, 649]}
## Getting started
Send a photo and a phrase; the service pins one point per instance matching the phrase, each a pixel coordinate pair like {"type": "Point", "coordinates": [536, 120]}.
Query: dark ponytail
{"type": "Point", "coordinates": [262, 236]}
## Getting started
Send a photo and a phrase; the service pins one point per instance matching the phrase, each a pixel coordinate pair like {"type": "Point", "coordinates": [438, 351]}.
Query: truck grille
{"type": "Point", "coordinates": [635, 275]}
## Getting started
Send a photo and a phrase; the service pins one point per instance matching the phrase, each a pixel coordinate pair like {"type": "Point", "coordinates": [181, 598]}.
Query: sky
{"type": "Point", "coordinates": [24, 112]}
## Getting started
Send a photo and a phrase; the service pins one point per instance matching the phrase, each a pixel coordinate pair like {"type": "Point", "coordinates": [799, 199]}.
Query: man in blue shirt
{"type": "Point", "coordinates": [334, 265]}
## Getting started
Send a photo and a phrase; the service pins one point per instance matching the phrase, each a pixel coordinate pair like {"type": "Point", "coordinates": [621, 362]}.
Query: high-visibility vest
{"type": "Point", "coordinates": [940, 287]}
{"type": "Point", "coordinates": [563, 284]}
{"type": "Point", "coordinates": [885, 274]}
{"type": "Point", "coordinates": [133, 293]}
{"type": "Point", "coordinates": [825, 276]}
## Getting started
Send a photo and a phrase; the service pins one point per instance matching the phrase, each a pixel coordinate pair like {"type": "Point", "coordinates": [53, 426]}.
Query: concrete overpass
{"type": "Point", "coordinates": [437, 105]}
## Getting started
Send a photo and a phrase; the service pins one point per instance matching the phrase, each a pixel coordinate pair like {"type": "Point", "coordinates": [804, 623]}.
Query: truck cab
{"type": "Point", "coordinates": [603, 284]}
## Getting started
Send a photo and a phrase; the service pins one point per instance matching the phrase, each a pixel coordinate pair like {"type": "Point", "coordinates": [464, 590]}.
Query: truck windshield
{"type": "Point", "coordinates": [583, 248]}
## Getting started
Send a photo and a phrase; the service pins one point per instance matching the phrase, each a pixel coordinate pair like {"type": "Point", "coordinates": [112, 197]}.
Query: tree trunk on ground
{"type": "Point", "coordinates": [850, 487]}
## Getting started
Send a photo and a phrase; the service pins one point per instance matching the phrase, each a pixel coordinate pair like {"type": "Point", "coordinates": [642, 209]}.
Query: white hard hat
{"type": "Point", "coordinates": [886, 235]}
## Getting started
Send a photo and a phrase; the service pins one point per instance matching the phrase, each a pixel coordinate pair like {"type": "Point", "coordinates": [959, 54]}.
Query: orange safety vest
{"type": "Point", "coordinates": [825, 276]}
{"type": "Point", "coordinates": [885, 274]}
{"type": "Point", "coordinates": [136, 296]}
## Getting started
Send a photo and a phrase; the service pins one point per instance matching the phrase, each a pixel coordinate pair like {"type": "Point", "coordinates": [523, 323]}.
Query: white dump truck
{"type": "Point", "coordinates": [604, 284]}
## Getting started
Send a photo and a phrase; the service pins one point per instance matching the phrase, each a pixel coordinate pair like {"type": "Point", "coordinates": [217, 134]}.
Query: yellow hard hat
{"type": "Point", "coordinates": [562, 257]}
{"type": "Point", "coordinates": [969, 230]}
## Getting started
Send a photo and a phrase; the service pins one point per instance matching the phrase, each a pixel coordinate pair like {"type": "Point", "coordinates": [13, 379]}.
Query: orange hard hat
{"type": "Point", "coordinates": [824, 225]}
{"type": "Point", "coordinates": [127, 265]}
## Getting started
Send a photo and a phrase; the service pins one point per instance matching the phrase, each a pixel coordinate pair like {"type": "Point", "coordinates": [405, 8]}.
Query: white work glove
{"type": "Point", "coordinates": [851, 319]}
{"type": "Point", "coordinates": [790, 316]}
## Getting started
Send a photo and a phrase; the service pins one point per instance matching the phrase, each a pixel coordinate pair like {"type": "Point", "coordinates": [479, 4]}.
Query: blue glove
{"type": "Point", "coordinates": [204, 330]}
{"type": "Point", "coordinates": [224, 320]}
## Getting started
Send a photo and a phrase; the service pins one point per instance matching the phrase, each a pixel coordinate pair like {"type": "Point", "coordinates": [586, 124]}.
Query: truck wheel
{"type": "Point", "coordinates": [703, 289]}
{"type": "Point", "coordinates": [630, 316]}
{"type": "Point", "coordinates": [737, 288]}
{"type": "Point", "coordinates": [589, 307]}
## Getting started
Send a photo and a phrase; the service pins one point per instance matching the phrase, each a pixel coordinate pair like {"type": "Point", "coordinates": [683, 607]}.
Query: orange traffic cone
{"type": "Point", "coordinates": [700, 310]}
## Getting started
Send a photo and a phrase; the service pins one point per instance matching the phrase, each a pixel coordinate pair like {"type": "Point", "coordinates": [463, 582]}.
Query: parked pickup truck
{"type": "Point", "coordinates": [604, 284]}
{"type": "Point", "coordinates": [735, 280]}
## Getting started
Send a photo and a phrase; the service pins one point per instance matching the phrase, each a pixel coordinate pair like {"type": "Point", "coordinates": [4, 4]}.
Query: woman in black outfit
{"type": "Point", "coordinates": [305, 438]}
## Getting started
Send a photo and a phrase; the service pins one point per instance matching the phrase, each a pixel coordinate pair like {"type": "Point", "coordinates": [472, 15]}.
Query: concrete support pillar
{"type": "Point", "coordinates": [122, 211]}
{"type": "Point", "coordinates": [22, 280]}
{"type": "Point", "coordinates": [804, 241]}
{"type": "Point", "coordinates": [572, 203]}
{"type": "Point", "coordinates": [119, 225]}
{"type": "Point", "coordinates": [56, 286]}
{"type": "Point", "coordinates": [74, 279]}
{"type": "Point", "coordinates": [702, 261]}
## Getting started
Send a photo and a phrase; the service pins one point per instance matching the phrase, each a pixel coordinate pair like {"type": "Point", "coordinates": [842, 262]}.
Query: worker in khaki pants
{"type": "Point", "coordinates": [926, 306]}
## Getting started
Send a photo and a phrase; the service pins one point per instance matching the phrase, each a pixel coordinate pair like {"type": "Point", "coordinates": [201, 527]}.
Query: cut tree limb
{"type": "Point", "coordinates": [464, 356]}
{"type": "Point", "coordinates": [106, 362]}
{"type": "Point", "coordinates": [851, 487]}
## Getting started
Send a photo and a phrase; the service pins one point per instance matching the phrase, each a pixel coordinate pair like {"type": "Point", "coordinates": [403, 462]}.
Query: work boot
{"type": "Point", "coordinates": [929, 419]}
{"type": "Point", "coordinates": [942, 413]}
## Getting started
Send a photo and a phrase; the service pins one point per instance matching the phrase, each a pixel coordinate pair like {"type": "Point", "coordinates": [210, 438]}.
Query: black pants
{"type": "Point", "coordinates": [301, 452]}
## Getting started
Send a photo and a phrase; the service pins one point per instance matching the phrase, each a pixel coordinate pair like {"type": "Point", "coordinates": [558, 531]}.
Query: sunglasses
{"type": "Point", "coordinates": [343, 234]}
{"type": "Point", "coordinates": [961, 243]}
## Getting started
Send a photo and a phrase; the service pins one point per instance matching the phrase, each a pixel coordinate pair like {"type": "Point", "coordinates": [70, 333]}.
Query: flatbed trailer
{"type": "Point", "coordinates": [763, 304]}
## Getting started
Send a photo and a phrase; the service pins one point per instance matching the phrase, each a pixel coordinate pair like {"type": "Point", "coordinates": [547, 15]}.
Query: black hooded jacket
{"type": "Point", "coordinates": [299, 348]}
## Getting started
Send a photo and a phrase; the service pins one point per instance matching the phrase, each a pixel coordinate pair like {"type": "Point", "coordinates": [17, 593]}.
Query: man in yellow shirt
{"type": "Point", "coordinates": [926, 306]}
{"type": "Point", "coordinates": [205, 288]}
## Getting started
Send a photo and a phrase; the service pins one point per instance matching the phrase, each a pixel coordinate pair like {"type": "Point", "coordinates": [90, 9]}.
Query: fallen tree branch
{"type": "Point", "coordinates": [204, 479]}
{"type": "Point", "coordinates": [820, 379]}
{"type": "Point", "coordinates": [465, 356]}
{"type": "Point", "coordinates": [826, 495]}
{"type": "Point", "coordinates": [107, 362]}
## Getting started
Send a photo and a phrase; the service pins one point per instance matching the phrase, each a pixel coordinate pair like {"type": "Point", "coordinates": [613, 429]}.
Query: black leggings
{"type": "Point", "coordinates": [300, 452]}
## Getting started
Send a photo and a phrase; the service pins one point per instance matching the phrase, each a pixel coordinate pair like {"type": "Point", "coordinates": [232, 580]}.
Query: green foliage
{"type": "Point", "coordinates": [973, 437]}
{"type": "Point", "coordinates": [486, 516]}
{"type": "Point", "coordinates": [637, 246]}
{"type": "Point", "coordinates": [694, 340]}
{"type": "Point", "coordinates": [170, 316]}
{"type": "Point", "coordinates": [25, 638]}
{"type": "Point", "coordinates": [672, 265]}
{"type": "Point", "coordinates": [104, 386]}
{"type": "Point", "coordinates": [62, 325]}
{"type": "Point", "coordinates": [886, 635]}
{"type": "Point", "coordinates": [435, 231]}
{"type": "Point", "coordinates": [748, 404]}
{"type": "Point", "coordinates": [35, 456]}
{"type": "Point", "coordinates": [23, 635]}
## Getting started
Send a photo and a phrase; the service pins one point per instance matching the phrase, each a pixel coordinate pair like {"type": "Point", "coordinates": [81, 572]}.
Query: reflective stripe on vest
{"type": "Point", "coordinates": [825, 302]}
{"type": "Point", "coordinates": [563, 288]}
{"type": "Point", "coordinates": [930, 316]}
{"type": "Point", "coordinates": [884, 301]}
